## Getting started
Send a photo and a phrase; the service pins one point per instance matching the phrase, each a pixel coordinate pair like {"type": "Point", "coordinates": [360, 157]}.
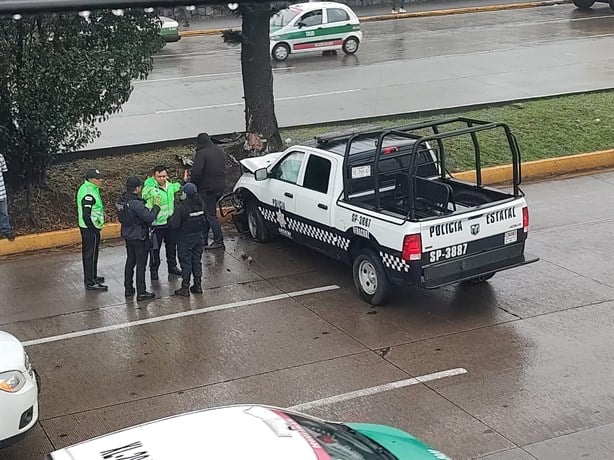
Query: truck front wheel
{"type": "Point", "coordinates": [370, 277]}
{"type": "Point", "coordinates": [256, 224]}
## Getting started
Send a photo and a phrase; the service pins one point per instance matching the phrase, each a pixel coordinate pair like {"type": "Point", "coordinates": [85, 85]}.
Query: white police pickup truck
{"type": "Point", "coordinates": [383, 201]}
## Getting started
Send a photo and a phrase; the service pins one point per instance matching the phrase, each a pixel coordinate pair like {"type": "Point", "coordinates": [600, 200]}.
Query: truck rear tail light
{"type": "Point", "coordinates": [525, 219]}
{"type": "Point", "coordinates": [412, 247]}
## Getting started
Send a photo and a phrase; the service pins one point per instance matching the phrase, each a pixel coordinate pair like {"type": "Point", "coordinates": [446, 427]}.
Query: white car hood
{"type": "Point", "coordinates": [235, 432]}
{"type": "Point", "coordinates": [264, 161]}
{"type": "Point", "coordinates": [11, 353]}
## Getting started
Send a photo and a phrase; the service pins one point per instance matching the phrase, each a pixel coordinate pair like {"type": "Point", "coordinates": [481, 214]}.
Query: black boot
{"type": "Point", "coordinates": [174, 271]}
{"type": "Point", "coordinates": [145, 296]}
{"type": "Point", "coordinates": [196, 287]}
{"type": "Point", "coordinates": [184, 290]}
{"type": "Point", "coordinates": [154, 274]}
{"type": "Point", "coordinates": [216, 245]}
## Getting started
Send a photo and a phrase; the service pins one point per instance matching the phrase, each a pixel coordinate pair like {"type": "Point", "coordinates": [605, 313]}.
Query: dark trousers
{"type": "Point", "coordinates": [166, 235]}
{"type": "Point", "coordinates": [190, 249]}
{"type": "Point", "coordinates": [211, 221]}
{"type": "Point", "coordinates": [137, 257]}
{"type": "Point", "coordinates": [90, 239]}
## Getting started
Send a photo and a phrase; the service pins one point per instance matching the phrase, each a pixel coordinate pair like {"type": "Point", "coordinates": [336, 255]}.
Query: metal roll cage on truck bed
{"type": "Point", "coordinates": [472, 127]}
{"type": "Point", "coordinates": [387, 204]}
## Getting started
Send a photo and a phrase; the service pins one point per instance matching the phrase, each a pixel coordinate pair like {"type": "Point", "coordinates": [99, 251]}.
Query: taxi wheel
{"type": "Point", "coordinates": [350, 45]}
{"type": "Point", "coordinates": [370, 277]}
{"type": "Point", "coordinates": [280, 52]}
{"type": "Point", "coordinates": [256, 224]}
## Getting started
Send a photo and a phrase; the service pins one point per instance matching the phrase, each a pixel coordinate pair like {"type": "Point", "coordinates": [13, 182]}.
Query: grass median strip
{"type": "Point", "coordinates": [545, 128]}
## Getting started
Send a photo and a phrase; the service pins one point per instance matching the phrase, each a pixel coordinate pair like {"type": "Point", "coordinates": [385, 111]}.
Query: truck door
{"type": "Point", "coordinates": [314, 202]}
{"type": "Point", "coordinates": [281, 190]}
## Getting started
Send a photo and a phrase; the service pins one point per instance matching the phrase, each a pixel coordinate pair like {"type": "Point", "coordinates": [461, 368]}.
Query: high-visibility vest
{"type": "Point", "coordinates": [89, 188]}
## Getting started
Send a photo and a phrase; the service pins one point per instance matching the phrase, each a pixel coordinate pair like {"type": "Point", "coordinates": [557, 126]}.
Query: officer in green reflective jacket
{"type": "Point", "coordinates": [91, 219]}
{"type": "Point", "coordinates": [158, 188]}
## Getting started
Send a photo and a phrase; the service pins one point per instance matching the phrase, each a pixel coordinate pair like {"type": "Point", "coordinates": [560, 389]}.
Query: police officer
{"type": "Point", "coordinates": [188, 220]}
{"type": "Point", "coordinates": [91, 219]}
{"type": "Point", "coordinates": [135, 218]}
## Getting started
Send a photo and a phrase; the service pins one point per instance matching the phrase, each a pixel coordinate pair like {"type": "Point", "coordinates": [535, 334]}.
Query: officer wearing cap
{"type": "Point", "coordinates": [91, 219]}
{"type": "Point", "coordinates": [187, 220]}
{"type": "Point", "coordinates": [136, 218]}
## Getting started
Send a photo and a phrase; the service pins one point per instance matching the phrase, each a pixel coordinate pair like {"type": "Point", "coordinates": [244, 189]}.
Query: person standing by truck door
{"type": "Point", "coordinates": [135, 218]}
{"type": "Point", "coordinates": [90, 210]}
{"type": "Point", "coordinates": [158, 187]}
{"type": "Point", "coordinates": [209, 176]}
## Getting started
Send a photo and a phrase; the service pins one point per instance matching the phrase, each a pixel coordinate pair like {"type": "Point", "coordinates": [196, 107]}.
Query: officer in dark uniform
{"type": "Point", "coordinates": [187, 219]}
{"type": "Point", "coordinates": [135, 218]}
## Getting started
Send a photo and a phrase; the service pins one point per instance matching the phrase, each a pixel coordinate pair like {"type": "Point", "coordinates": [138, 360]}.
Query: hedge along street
{"type": "Point", "coordinates": [538, 169]}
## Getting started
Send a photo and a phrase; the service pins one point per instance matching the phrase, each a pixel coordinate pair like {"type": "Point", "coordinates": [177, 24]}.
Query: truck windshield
{"type": "Point", "coordinates": [341, 442]}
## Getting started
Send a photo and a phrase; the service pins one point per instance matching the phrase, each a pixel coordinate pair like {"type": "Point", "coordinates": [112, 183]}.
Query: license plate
{"type": "Point", "coordinates": [510, 237]}
{"type": "Point", "coordinates": [448, 253]}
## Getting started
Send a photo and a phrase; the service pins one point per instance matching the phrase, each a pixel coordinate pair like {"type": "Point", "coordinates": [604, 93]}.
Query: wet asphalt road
{"type": "Point", "coordinates": [536, 341]}
{"type": "Point", "coordinates": [402, 66]}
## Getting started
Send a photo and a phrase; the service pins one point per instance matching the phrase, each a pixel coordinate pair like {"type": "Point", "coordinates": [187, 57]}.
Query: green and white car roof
{"type": "Point", "coordinates": [233, 432]}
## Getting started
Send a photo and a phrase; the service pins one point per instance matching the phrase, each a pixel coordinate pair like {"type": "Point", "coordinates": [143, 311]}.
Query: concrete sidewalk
{"type": "Point", "coordinates": [372, 12]}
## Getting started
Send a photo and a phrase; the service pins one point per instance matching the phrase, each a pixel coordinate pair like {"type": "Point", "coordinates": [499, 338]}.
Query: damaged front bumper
{"type": "Point", "coordinates": [232, 204]}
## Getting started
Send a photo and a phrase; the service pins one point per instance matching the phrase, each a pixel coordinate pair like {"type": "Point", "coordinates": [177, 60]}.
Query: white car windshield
{"type": "Point", "coordinates": [282, 18]}
{"type": "Point", "coordinates": [340, 441]}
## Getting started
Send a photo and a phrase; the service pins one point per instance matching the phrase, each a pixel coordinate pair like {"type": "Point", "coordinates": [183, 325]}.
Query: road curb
{"type": "Point", "coordinates": [417, 14]}
{"type": "Point", "coordinates": [532, 170]}
{"type": "Point", "coordinates": [544, 169]}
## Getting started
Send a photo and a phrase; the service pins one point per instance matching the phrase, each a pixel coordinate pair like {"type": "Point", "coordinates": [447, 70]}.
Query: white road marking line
{"type": "Point", "coordinates": [378, 389]}
{"type": "Point", "coordinates": [187, 77]}
{"type": "Point", "coordinates": [230, 104]}
{"type": "Point", "coordinates": [226, 306]}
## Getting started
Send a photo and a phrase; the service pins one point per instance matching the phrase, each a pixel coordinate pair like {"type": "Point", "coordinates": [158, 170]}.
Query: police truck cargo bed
{"type": "Point", "coordinates": [384, 201]}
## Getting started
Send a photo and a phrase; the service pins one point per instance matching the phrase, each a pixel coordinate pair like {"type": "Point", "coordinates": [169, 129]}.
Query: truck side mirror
{"type": "Point", "coordinates": [261, 174]}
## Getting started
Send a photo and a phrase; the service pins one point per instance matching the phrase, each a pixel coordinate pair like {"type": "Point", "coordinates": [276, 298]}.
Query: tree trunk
{"type": "Point", "coordinates": [261, 130]}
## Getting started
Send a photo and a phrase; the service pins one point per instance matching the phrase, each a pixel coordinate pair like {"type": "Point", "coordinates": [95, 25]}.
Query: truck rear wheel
{"type": "Point", "coordinates": [256, 224]}
{"type": "Point", "coordinates": [370, 277]}
{"type": "Point", "coordinates": [480, 279]}
{"type": "Point", "coordinates": [583, 4]}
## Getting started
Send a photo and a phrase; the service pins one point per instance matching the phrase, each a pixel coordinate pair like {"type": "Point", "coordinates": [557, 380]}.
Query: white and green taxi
{"type": "Point", "coordinates": [169, 29]}
{"type": "Point", "coordinates": [314, 26]}
{"type": "Point", "coordinates": [251, 432]}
